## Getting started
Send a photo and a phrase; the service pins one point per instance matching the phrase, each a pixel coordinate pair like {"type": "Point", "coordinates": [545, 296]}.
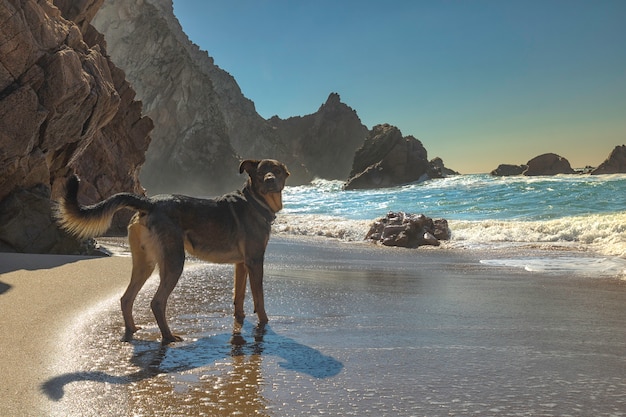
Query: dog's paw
{"type": "Point", "coordinates": [171, 339]}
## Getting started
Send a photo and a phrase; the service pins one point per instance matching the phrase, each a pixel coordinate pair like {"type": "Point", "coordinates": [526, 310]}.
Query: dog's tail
{"type": "Point", "coordinates": [93, 220]}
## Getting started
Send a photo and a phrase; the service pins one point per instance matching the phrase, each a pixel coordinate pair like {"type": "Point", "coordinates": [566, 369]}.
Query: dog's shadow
{"type": "Point", "coordinates": [152, 359]}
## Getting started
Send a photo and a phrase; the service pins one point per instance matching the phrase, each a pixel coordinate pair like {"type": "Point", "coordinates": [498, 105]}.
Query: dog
{"type": "Point", "coordinates": [233, 228]}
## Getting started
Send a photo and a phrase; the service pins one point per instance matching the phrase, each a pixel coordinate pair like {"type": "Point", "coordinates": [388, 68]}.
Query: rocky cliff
{"type": "Point", "coordinates": [63, 107]}
{"type": "Point", "coordinates": [203, 122]}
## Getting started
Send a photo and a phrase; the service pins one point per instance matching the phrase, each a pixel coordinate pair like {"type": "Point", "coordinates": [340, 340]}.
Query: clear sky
{"type": "Point", "coordinates": [479, 82]}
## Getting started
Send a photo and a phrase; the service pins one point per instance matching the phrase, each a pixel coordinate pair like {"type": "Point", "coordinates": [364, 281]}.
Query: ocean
{"type": "Point", "coordinates": [570, 213]}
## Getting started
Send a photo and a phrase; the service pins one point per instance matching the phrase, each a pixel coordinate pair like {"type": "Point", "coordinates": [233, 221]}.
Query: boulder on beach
{"type": "Point", "coordinates": [408, 230]}
{"type": "Point", "coordinates": [614, 164]}
{"type": "Point", "coordinates": [548, 164]}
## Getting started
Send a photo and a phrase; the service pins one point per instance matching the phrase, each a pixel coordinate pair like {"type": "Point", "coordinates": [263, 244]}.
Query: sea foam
{"type": "Point", "coordinates": [603, 233]}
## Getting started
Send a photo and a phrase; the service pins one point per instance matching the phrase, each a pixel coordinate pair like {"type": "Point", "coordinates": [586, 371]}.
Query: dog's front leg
{"type": "Point", "coordinates": [255, 270]}
{"type": "Point", "coordinates": [240, 291]}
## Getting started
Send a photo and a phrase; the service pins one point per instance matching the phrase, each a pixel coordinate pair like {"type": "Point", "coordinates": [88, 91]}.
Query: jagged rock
{"type": "Point", "coordinates": [614, 164]}
{"type": "Point", "coordinates": [387, 159]}
{"type": "Point", "coordinates": [63, 107]}
{"type": "Point", "coordinates": [408, 230]}
{"type": "Point", "coordinates": [507, 170]}
{"type": "Point", "coordinates": [436, 169]}
{"type": "Point", "coordinates": [325, 140]}
{"type": "Point", "coordinates": [548, 164]}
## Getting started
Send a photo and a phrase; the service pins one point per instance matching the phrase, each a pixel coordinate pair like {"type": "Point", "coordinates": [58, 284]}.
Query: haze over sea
{"type": "Point", "coordinates": [566, 212]}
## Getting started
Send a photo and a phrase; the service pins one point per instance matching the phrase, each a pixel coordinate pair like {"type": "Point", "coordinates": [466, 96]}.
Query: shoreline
{"type": "Point", "coordinates": [43, 296]}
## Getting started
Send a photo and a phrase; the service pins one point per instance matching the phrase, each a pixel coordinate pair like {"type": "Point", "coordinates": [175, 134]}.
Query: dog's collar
{"type": "Point", "coordinates": [260, 206]}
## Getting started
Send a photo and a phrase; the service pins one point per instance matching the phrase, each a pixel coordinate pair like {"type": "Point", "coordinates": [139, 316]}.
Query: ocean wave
{"type": "Point", "coordinates": [601, 233]}
{"type": "Point", "coordinates": [467, 197]}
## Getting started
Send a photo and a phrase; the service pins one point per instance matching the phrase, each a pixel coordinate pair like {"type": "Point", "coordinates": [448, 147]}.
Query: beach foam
{"type": "Point", "coordinates": [602, 233]}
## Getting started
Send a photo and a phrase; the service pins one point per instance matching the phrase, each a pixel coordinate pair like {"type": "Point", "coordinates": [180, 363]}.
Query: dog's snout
{"type": "Point", "coordinates": [269, 178]}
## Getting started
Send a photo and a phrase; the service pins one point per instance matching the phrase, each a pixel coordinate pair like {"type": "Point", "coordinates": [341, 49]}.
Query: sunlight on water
{"type": "Point", "coordinates": [481, 210]}
{"type": "Point", "coordinates": [579, 265]}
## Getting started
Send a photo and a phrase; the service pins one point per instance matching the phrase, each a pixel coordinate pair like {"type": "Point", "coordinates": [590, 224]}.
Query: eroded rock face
{"type": "Point", "coordinates": [388, 159]}
{"type": "Point", "coordinates": [191, 152]}
{"type": "Point", "coordinates": [63, 107]}
{"type": "Point", "coordinates": [408, 230]}
{"type": "Point", "coordinates": [615, 163]}
{"type": "Point", "coordinates": [548, 164]}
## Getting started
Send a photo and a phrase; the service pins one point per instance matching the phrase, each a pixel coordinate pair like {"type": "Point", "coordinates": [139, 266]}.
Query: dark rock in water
{"type": "Point", "coordinates": [436, 169]}
{"type": "Point", "coordinates": [507, 170]}
{"type": "Point", "coordinates": [387, 159]}
{"type": "Point", "coordinates": [408, 230]}
{"type": "Point", "coordinates": [548, 164]}
{"type": "Point", "coordinates": [614, 164]}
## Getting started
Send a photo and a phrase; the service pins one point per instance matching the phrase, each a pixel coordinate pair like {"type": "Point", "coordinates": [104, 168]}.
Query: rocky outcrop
{"type": "Point", "coordinates": [548, 164]}
{"type": "Point", "coordinates": [614, 164]}
{"type": "Point", "coordinates": [436, 169]}
{"type": "Point", "coordinates": [63, 107]}
{"type": "Point", "coordinates": [408, 230]}
{"type": "Point", "coordinates": [326, 140]}
{"type": "Point", "coordinates": [203, 122]}
{"type": "Point", "coordinates": [507, 170]}
{"type": "Point", "coordinates": [387, 159]}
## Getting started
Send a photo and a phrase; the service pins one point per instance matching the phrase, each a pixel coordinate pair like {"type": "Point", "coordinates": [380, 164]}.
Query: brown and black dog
{"type": "Point", "coordinates": [234, 228]}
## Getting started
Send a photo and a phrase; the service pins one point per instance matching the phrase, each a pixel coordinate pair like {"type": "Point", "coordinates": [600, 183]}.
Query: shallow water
{"type": "Point", "coordinates": [363, 331]}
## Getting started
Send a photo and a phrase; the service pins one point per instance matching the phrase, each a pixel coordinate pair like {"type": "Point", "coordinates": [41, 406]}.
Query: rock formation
{"type": "Point", "coordinates": [326, 140]}
{"type": "Point", "coordinates": [387, 159]}
{"type": "Point", "coordinates": [614, 164]}
{"type": "Point", "coordinates": [408, 230]}
{"type": "Point", "coordinates": [548, 164]}
{"type": "Point", "coordinates": [63, 107]}
{"type": "Point", "coordinates": [507, 170]}
{"type": "Point", "coordinates": [203, 122]}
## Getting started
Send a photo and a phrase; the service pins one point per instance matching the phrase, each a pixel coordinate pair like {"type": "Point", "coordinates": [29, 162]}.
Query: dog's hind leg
{"type": "Point", "coordinates": [241, 274]}
{"type": "Point", "coordinates": [171, 263]}
{"type": "Point", "coordinates": [143, 266]}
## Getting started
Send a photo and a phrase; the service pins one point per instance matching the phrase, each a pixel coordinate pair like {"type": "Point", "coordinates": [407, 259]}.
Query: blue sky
{"type": "Point", "coordinates": [479, 82]}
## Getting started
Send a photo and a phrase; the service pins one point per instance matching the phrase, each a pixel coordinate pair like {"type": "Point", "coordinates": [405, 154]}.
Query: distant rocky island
{"type": "Point", "coordinates": [553, 164]}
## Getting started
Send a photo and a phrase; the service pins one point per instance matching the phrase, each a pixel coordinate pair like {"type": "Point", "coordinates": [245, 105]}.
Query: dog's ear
{"type": "Point", "coordinates": [249, 165]}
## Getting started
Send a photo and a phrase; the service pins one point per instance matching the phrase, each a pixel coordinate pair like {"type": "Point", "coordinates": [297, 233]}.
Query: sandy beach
{"type": "Point", "coordinates": [40, 296]}
{"type": "Point", "coordinates": [354, 330]}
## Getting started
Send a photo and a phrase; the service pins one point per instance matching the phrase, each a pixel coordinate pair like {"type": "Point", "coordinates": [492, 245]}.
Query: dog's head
{"type": "Point", "coordinates": [267, 179]}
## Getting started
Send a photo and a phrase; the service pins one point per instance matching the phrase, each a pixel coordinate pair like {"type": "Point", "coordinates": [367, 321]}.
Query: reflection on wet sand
{"type": "Point", "coordinates": [215, 375]}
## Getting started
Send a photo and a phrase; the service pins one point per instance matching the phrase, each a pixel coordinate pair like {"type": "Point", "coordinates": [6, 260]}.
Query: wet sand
{"type": "Point", "coordinates": [354, 330]}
